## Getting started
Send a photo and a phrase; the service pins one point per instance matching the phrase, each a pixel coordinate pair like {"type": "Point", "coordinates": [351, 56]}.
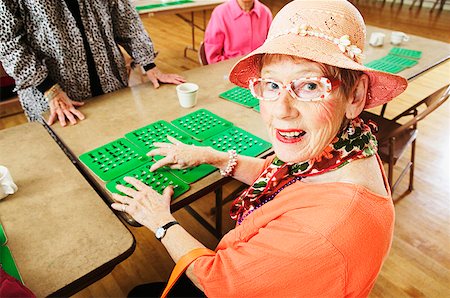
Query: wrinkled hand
{"type": "Point", "coordinates": [144, 204]}
{"type": "Point", "coordinates": [155, 76]}
{"type": "Point", "coordinates": [177, 155]}
{"type": "Point", "coordinates": [62, 107]}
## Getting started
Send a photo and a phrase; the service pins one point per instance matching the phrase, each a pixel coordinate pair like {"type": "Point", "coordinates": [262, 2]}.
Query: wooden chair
{"type": "Point", "coordinates": [394, 137]}
{"type": "Point", "coordinates": [202, 55]}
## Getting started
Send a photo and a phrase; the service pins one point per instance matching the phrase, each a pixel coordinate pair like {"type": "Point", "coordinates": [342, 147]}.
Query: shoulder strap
{"type": "Point", "coordinates": [182, 265]}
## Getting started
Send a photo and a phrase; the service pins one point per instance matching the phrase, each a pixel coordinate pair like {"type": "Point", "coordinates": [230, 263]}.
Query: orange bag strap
{"type": "Point", "coordinates": [182, 265]}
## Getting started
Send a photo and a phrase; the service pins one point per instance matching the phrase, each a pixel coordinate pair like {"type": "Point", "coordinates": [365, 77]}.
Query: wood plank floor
{"type": "Point", "coordinates": [419, 263]}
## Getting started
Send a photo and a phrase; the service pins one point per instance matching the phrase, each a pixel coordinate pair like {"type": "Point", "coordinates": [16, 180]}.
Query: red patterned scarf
{"type": "Point", "coordinates": [356, 141]}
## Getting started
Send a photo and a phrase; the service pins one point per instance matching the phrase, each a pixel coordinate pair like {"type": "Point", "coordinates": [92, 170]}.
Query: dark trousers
{"type": "Point", "coordinates": [182, 288]}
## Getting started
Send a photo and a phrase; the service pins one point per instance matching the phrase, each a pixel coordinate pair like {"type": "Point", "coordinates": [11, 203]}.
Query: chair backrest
{"type": "Point", "coordinates": [432, 102]}
{"type": "Point", "coordinates": [202, 55]}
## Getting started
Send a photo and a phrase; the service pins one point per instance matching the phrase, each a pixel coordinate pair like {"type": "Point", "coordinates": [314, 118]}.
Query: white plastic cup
{"type": "Point", "coordinates": [376, 39]}
{"type": "Point", "coordinates": [398, 37]}
{"type": "Point", "coordinates": [7, 185]}
{"type": "Point", "coordinates": [187, 94]}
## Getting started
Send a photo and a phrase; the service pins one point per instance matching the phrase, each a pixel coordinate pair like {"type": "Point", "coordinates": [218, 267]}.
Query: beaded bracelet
{"type": "Point", "coordinates": [232, 162]}
{"type": "Point", "coordinates": [52, 92]}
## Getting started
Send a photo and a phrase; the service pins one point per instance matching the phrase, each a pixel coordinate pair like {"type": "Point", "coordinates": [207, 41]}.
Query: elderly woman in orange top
{"type": "Point", "coordinates": [317, 219]}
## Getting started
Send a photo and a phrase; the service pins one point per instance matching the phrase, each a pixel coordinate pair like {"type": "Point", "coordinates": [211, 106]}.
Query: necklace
{"type": "Point", "coordinates": [270, 198]}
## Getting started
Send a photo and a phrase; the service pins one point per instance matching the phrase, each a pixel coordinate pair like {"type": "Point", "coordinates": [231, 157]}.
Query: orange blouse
{"type": "Point", "coordinates": [312, 240]}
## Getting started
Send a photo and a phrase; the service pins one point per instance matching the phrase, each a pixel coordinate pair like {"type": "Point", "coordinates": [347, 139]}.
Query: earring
{"type": "Point", "coordinates": [350, 128]}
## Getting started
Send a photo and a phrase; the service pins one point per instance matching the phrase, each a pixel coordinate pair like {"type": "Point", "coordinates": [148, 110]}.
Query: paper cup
{"type": "Point", "coordinates": [187, 94]}
{"type": "Point", "coordinates": [7, 185]}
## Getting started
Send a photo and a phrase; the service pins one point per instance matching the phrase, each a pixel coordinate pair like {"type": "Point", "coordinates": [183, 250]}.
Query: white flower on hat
{"type": "Point", "coordinates": [343, 43]}
{"type": "Point", "coordinates": [354, 52]}
{"type": "Point", "coordinates": [301, 29]}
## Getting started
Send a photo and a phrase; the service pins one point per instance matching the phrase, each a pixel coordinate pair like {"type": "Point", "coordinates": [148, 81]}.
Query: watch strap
{"type": "Point", "coordinates": [166, 227]}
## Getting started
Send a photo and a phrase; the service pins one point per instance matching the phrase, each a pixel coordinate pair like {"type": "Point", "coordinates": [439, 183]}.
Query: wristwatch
{"type": "Point", "coordinates": [161, 231]}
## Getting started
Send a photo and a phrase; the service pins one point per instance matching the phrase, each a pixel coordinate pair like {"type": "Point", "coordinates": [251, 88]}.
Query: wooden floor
{"type": "Point", "coordinates": [419, 263]}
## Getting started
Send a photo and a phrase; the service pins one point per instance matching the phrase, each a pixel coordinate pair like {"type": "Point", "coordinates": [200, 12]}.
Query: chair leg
{"type": "Point", "coordinates": [391, 163]}
{"type": "Point", "coordinates": [411, 170]}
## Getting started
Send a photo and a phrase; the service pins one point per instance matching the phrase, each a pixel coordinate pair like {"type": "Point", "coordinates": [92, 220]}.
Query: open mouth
{"type": "Point", "coordinates": [290, 136]}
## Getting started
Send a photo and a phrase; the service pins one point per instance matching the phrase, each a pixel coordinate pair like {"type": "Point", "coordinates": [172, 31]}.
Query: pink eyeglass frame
{"type": "Point", "coordinates": [329, 84]}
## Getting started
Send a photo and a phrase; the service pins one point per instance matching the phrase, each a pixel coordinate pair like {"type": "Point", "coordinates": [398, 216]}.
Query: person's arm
{"type": "Point", "coordinates": [214, 39]}
{"type": "Point", "coordinates": [129, 32]}
{"type": "Point", "coordinates": [17, 58]}
{"type": "Point", "coordinates": [22, 64]}
{"type": "Point", "coordinates": [178, 155]}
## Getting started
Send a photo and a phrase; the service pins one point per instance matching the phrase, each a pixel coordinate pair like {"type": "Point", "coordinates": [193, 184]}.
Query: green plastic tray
{"type": "Point", "coordinates": [202, 124]}
{"type": "Point", "coordinates": [191, 175]}
{"type": "Point", "coordinates": [114, 159]}
{"type": "Point", "coordinates": [156, 132]}
{"type": "Point", "coordinates": [157, 180]}
{"type": "Point", "coordinates": [8, 264]}
{"type": "Point", "coordinates": [402, 61]}
{"type": "Point", "coordinates": [164, 4]}
{"type": "Point", "coordinates": [385, 66]}
{"type": "Point", "coordinates": [241, 96]}
{"type": "Point", "coordinates": [406, 52]}
{"type": "Point", "coordinates": [240, 140]}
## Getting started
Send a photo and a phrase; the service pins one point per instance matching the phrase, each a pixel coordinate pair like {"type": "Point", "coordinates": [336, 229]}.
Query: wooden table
{"type": "Point", "coordinates": [111, 116]}
{"type": "Point", "coordinates": [178, 10]}
{"type": "Point", "coordinates": [61, 234]}
{"type": "Point", "coordinates": [434, 52]}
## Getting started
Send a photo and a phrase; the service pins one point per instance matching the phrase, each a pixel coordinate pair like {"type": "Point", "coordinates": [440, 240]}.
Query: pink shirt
{"type": "Point", "coordinates": [232, 32]}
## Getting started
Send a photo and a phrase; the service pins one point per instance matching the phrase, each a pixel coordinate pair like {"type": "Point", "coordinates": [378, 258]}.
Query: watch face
{"type": "Point", "coordinates": [160, 233]}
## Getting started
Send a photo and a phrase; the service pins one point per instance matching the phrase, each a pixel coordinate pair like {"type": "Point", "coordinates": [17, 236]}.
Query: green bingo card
{"type": "Point", "coordinates": [114, 159]}
{"type": "Point", "coordinates": [156, 132]}
{"type": "Point", "coordinates": [240, 140]}
{"type": "Point", "coordinates": [202, 124]}
{"type": "Point", "coordinates": [6, 258]}
{"type": "Point", "coordinates": [406, 53]}
{"type": "Point", "coordinates": [241, 96]}
{"type": "Point", "coordinates": [385, 66]}
{"type": "Point", "coordinates": [158, 180]}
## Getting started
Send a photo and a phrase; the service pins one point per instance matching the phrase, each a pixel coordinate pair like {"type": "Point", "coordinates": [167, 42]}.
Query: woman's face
{"type": "Point", "coordinates": [300, 130]}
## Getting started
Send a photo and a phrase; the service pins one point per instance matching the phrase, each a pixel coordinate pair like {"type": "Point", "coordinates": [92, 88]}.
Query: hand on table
{"type": "Point", "coordinates": [62, 107]}
{"type": "Point", "coordinates": [177, 155]}
{"type": "Point", "coordinates": [155, 76]}
{"type": "Point", "coordinates": [144, 204]}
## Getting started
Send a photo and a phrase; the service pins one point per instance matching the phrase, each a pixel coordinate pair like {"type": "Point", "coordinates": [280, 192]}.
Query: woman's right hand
{"type": "Point", "coordinates": [62, 107]}
{"type": "Point", "coordinates": [178, 155]}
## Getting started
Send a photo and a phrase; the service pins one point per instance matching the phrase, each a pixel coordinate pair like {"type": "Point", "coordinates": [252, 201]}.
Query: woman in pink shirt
{"type": "Point", "coordinates": [236, 28]}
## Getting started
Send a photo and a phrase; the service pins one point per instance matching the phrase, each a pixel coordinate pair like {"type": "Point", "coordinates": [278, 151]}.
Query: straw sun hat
{"type": "Point", "coordinates": [326, 31]}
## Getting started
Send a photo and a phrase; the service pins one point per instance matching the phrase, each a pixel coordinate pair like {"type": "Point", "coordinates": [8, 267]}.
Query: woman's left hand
{"type": "Point", "coordinates": [155, 76]}
{"type": "Point", "coordinates": [144, 204]}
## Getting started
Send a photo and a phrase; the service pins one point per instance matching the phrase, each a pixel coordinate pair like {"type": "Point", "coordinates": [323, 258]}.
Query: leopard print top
{"type": "Point", "coordinates": [40, 38]}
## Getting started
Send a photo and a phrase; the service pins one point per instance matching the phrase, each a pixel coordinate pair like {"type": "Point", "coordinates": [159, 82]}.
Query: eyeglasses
{"type": "Point", "coordinates": [303, 89]}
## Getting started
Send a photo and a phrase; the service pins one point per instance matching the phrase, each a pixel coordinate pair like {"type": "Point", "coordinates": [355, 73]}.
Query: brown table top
{"type": "Point", "coordinates": [196, 5]}
{"type": "Point", "coordinates": [60, 232]}
{"type": "Point", "coordinates": [433, 51]}
{"type": "Point", "coordinates": [111, 116]}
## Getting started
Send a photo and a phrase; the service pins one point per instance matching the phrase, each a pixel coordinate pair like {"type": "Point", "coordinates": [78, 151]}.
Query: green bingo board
{"type": "Point", "coordinates": [162, 4]}
{"type": "Point", "coordinates": [406, 53]}
{"type": "Point", "coordinates": [158, 180]}
{"type": "Point", "coordinates": [398, 60]}
{"type": "Point", "coordinates": [241, 96]}
{"type": "Point", "coordinates": [6, 258]}
{"type": "Point", "coordinates": [240, 140]}
{"type": "Point", "coordinates": [202, 124]}
{"type": "Point", "coordinates": [156, 132]}
{"type": "Point", "coordinates": [257, 109]}
{"type": "Point", "coordinates": [385, 66]}
{"type": "Point", "coordinates": [114, 159]}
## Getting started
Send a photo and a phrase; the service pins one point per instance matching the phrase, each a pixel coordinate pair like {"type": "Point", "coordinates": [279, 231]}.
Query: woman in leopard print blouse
{"type": "Point", "coordinates": [73, 44]}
